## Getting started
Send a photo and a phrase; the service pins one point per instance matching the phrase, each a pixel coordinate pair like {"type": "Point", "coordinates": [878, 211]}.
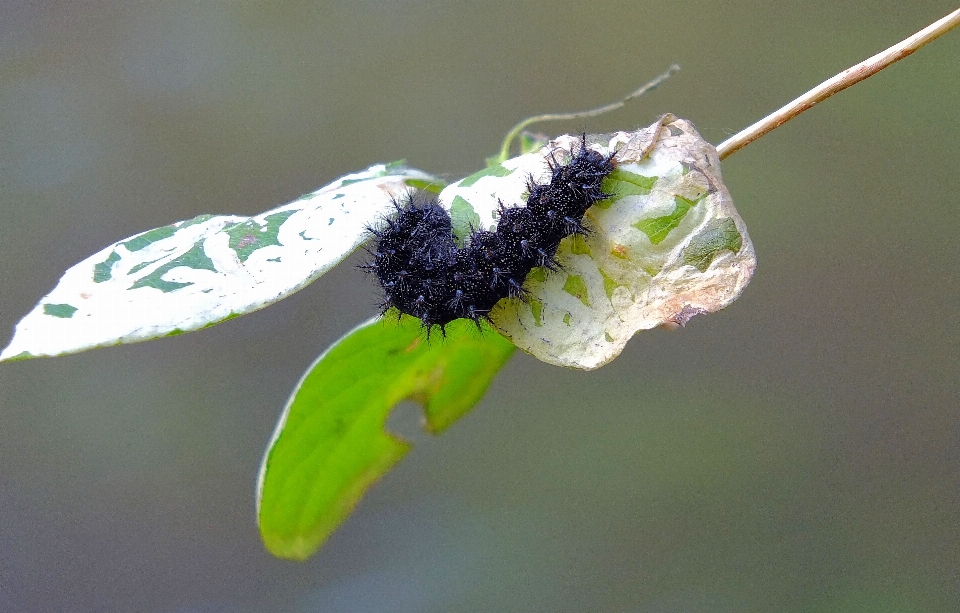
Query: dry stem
{"type": "Point", "coordinates": [838, 83]}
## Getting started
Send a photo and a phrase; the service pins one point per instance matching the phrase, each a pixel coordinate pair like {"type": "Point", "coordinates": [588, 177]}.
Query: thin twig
{"type": "Point", "coordinates": [515, 130]}
{"type": "Point", "coordinates": [838, 83]}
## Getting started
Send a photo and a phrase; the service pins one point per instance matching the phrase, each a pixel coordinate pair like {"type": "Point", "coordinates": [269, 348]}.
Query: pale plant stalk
{"type": "Point", "coordinates": [838, 83]}
{"type": "Point", "coordinates": [515, 130]}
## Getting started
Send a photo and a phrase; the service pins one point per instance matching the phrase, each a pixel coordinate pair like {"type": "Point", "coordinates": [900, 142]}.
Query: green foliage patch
{"type": "Point", "coordinates": [331, 444]}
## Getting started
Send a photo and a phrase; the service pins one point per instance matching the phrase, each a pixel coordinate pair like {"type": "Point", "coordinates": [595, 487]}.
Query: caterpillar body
{"type": "Point", "coordinates": [424, 273]}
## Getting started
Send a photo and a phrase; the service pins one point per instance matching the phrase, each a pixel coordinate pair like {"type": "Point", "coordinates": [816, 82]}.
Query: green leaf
{"type": "Point", "coordinates": [497, 170]}
{"type": "Point", "coordinates": [464, 219]}
{"type": "Point", "coordinates": [101, 271]}
{"type": "Point", "coordinates": [195, 259]}
{"type": "Point", "coordinates": [719, 235]}
{"type": "Point", "coordinates": [658, 228]}
{"type": "Point", "coordinates": [149, 237]}
{"type": "Point", "coordinates": [64, 311]}
{"type": "Point", "coordinates": [622, 183]}
{"type": "Point", "coordinates": [248, 236]}
{"type": "Point", "coordinates": [433, 185]}
{"type": "Point", "coordinates": [575, 286]}
{"type": "Point", "coordinates": [331, 445]}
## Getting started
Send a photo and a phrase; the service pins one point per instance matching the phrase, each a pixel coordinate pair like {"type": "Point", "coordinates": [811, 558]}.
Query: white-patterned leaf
{"type": "Point", "coordinates": [668, 246]}
{"type": "Point", "coordinates": [196, 273]}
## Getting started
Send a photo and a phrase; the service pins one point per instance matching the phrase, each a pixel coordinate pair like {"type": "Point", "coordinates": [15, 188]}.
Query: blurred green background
{"type": "Point", "coordinates": [799, 451]}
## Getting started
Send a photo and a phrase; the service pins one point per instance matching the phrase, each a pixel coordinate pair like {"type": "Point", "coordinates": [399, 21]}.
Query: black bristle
{"type": "Point", "coordinates": [425, 274]}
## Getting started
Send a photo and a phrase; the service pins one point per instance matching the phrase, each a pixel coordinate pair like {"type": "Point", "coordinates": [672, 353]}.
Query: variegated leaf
{"type": "Point", "coordinates": [196, 273]}
{"type": "Point", "coordinates": [669, 245]}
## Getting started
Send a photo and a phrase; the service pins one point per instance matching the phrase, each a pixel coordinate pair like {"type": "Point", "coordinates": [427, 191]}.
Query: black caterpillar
{"type": "Point", "coordinates": [425, 274]}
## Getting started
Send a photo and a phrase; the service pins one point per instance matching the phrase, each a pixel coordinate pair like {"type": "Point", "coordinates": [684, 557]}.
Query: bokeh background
{"type": "Point", "coordinates": [799, 451]}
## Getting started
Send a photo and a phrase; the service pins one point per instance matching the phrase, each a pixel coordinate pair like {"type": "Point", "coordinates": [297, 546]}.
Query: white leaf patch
{"type": "Point", "coordinates": [195, 273]}
{"type": "Point", "coordinates": [668, 246]}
